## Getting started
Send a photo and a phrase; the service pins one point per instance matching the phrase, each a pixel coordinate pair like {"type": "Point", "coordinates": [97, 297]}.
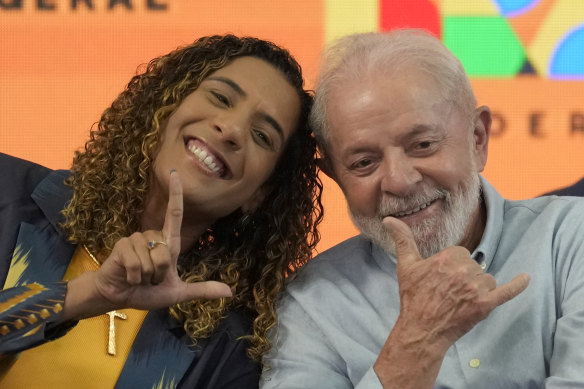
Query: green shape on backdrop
{"type": "Point", "coordinates": [486, 45]}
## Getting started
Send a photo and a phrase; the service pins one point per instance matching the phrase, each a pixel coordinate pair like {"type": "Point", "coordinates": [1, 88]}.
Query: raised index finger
{"type": "Point", "coordinates": [174, 214]}
{"type": "Point", "coordinates": [406, 249]}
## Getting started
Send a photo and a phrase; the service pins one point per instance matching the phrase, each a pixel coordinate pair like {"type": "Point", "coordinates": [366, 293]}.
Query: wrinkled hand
{"type": "Point", "coordinates": [142, 278]}
{"type": "Point", "coordinates": [444, 296]}
{"type": "Point", "coordinates": [441, 299]}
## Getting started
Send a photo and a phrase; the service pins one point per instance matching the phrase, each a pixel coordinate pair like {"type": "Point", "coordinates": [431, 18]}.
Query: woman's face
{"type": "Point", "coordinates": [226, 137]}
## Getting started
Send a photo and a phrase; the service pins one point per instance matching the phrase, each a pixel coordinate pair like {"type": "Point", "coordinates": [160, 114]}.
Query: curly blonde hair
{"type": "Point", "coordinates": [253, 253]}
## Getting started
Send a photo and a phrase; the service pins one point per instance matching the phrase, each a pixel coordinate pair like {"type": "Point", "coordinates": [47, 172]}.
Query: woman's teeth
{"type": "Point", "coordinates": [207, 159]}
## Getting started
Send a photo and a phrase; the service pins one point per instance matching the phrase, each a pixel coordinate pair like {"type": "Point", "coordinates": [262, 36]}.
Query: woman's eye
{"type": "Point", "coordinates": [263, 138]}
{"type": "Point", "coordinates": [221, 99]}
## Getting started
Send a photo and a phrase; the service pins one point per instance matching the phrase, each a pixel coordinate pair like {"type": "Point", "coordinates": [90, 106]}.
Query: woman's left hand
{"type": "Point", "coordinates": [141, 271]}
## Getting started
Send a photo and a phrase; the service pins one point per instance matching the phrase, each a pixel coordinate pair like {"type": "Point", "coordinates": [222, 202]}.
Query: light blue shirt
{"type": "Point", "coordinates": [337, 314]}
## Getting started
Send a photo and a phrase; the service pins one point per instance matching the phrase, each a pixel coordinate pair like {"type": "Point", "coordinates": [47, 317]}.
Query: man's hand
{"type": "Point", "coordinates": [441, 299]}
{"type": "Point", "coordinates": [138, 276]}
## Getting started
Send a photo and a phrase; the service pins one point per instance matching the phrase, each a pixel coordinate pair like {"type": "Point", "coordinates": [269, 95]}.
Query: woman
{"type": "Point", "coordinates": [198, 191]}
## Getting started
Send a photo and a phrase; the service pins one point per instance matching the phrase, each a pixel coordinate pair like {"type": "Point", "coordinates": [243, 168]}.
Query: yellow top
{"type": "Point", "coordinates": [79, 359]}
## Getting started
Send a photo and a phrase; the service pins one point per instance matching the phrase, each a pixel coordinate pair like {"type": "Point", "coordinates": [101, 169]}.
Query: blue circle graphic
{"type": "Point", "coordinates": [510, 8]}
{"type": "Point", "coordinates": [567, 62]}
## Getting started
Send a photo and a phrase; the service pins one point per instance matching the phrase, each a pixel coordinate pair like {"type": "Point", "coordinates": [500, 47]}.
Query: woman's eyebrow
{"type": "Point", "coordinates": [274, 123]}
{"type": "Point", "coordinates": [230, 83]}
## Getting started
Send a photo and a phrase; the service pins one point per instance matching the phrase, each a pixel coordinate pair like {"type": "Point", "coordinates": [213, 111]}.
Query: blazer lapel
{"type": "Point", "coordinates": [42, 253]}
{"type": "Point", "coordinates": [40, 256]}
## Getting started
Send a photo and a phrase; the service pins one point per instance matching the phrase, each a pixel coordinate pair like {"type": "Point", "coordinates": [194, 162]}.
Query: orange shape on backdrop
{"type": "Point", "coordinates": [527, 25]}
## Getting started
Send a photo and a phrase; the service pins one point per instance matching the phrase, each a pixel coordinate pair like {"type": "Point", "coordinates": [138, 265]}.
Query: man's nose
{"type": "Point", "coordinates": [400, 174]}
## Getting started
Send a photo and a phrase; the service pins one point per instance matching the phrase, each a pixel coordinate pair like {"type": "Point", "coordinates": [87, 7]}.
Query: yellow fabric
{"type": "Point", "coordinates": [79, 359]}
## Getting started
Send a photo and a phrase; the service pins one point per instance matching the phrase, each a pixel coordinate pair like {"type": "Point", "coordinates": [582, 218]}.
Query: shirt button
{"type": "Point", "coordinates": [474, 363]}
{"type": "Point", "coordinates": [483, 265]}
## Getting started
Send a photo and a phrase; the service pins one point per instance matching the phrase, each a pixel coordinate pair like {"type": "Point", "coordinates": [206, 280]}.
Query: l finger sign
{"type": "Point", "coordinates": [174, 215]}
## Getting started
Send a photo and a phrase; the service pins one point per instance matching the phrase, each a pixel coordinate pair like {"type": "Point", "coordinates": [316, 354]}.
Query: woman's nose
{"type": "Point", "coordinates": [231, 126]}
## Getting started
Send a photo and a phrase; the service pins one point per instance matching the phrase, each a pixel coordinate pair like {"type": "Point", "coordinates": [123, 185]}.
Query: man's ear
{"type": "Point", "coordinates": [324, 165]}
{"type": "Point", "coordinates": [481, 134]}
{"type": "Point", "coordinates": [255, 200]}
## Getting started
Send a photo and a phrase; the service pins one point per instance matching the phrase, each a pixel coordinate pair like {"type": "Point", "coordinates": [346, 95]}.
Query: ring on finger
{"type": "Point", "coordinates": [153, 243]}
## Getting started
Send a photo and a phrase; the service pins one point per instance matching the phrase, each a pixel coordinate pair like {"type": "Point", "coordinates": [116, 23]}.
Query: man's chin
{"type": "Point", "coordinates": [375, 230]}
{"type": "Point", "coordinates": [435, 233]}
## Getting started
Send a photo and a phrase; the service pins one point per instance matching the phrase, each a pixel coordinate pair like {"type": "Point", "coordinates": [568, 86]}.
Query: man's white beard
{"type": "Point", "coordinates": [433, 234]}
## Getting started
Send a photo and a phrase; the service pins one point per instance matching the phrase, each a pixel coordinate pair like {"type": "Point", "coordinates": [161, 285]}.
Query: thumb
{"type": "Point", "coordinates": [406, 249]}
{"type": "Point", "coordinates": [206, 290]}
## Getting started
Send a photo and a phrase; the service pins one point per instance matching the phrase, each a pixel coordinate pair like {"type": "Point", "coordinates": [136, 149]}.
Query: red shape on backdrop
{"type": "Point", "coordinates": [409, 13]}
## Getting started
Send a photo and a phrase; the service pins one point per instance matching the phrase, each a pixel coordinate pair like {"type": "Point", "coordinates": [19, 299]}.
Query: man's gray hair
{"type": "Point", "coordinates": [354, 57]}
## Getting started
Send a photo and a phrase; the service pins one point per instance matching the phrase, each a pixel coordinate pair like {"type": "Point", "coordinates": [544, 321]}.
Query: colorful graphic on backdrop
{"type": "Point", "coordinates": [493, 38]}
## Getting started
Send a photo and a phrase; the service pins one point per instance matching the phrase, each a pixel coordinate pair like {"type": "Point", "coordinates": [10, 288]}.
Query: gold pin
{"type": "Point", "coordinates": [111, 342]}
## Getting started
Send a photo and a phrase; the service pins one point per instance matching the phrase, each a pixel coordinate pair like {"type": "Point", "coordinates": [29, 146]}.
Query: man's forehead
{"type": "Point", "coordinates": [393, 86]}
{"type": "Point", "coordinates": [366, 102]}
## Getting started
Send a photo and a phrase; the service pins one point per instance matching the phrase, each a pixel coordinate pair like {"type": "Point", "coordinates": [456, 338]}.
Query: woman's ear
{"type": "Point", "coordinates": [255, 200]}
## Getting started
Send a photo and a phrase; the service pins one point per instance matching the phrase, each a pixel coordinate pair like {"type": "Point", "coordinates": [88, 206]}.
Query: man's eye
{"type": "Point", "coordinates": [361, 163]}
{"type": "Point", "coordinates": [424, 145]}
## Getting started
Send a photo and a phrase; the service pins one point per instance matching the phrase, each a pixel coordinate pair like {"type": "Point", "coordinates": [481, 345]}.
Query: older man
{"type": "Point", "coordinates": [433, 293]}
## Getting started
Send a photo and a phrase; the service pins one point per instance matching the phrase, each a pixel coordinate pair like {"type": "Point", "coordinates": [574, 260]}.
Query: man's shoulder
{"type": "Point", "coordinates": [329, 276]}
{"type": "Point", "coordinates": [576, 189]}
{"type": "Point", "coordinates": [550, 211]}
{"type": "Point", "coordinates": [357, 245]}
{"type": "Point", "coordinates": [547, 203]}
{"type": "Point", "coordinates": [340, 261]}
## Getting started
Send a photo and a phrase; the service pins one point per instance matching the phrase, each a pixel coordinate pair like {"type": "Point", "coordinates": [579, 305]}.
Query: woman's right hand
{"type": "Point", "coordinates": [141, 271]}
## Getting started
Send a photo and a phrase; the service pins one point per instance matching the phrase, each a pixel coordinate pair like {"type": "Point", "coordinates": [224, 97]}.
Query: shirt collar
{"type": "Point", "coordinates": [495, 205]}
